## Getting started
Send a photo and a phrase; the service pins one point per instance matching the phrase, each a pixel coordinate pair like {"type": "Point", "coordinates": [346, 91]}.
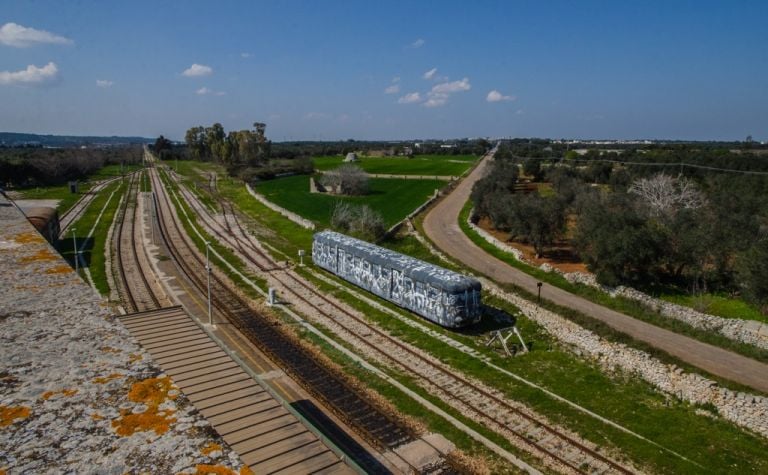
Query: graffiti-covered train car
{"type": "Point", "coordinates": [445, 297]}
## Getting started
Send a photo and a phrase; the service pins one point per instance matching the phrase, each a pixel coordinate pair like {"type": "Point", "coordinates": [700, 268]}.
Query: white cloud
{"type": "Point", "coordinates": [396, 79]}
{"type": "Point", "coordinates": [316, 115]}
{"type": "Point", "coordinates": [197, 70]}
{"type": "Point", "coordinates": [417, 44]}
{"type": "Point", "coordinates": [430, 74]}
{"type": "Point", "coordinates": [496, 96]}
{"type": "Point", "coordinates": [440, 93]}
{"type": "Point", "coordinates": [410, 98]}
{"type": "Point", "coordinates": [204, 91]}
{"type": "Point", "coordinates": [451, 87]}
{"type": "Point", "coordinates": [393, 89]}
{"type": "Point", "coordinates": [104, 83]}
{"type": "Point", "coordinates": [12, 34]}
{"type": "Point", "coordinates": [245, 55]}
{"type": "Point", "coordinates": [30, 76]}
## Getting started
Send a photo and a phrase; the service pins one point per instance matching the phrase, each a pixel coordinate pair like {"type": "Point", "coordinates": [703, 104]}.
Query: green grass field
{"type": "Point", "coordinates": [425, 165]}
{"type": "Point", "coordinates": [393, 198]}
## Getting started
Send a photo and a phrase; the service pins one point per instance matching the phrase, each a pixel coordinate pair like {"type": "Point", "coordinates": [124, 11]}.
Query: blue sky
{"type": "Point", "coordinates": [319, 70]}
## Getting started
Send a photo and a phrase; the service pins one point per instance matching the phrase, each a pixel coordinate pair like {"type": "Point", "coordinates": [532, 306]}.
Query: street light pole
{"type": "Point", "coordinates": [208, 269]}
{"type": "Point", "coordinates": [74, 244]}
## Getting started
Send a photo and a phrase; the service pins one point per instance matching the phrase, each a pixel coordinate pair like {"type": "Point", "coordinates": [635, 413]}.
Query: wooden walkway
{"type": "Point", "coordinates": [268, 437]}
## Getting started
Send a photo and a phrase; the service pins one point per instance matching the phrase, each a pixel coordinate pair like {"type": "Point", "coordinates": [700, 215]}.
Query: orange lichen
{"type": "Point", "coordinates": [9, 414]}
{"type": "Point", "coordinates": [152, 392]}
{"type": "Point", "coordinates": [40, 256]}
{"type": "Point", "coordinates": [209, 448]}
{"type": "Point", "coordinates": [64, 392]}
{"type": "Point", "coordinates": [203, 469]}
{"type": "Point", "coordinates": [134, 357]}
{"type": "Point", "coordinates": [27, 238]}
{"type": "Point", "coordinates": [109, 349]}
{"type": "Point", "coordinates": [106, 379]}
{"type": "Point", "coordinates": [97, 417]}
{"type": "Point", "coordinates": [60, 269]}
{"type": "Point", "coordinates": [152, 419]}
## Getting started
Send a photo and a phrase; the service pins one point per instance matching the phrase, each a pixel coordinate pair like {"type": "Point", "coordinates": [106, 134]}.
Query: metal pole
{"type": "Point", "coordinates": [539, 284]}
{"type": "Point", "coordinates": [74, 244]}
{"type": "Point", "coordinates": [208, 268]}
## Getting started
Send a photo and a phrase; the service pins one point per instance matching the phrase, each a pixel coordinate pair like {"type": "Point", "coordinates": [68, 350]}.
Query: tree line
{"type": "Point", "coordinates": [26, 166]}
{"type": "Point", "coordinates": [642, 225]}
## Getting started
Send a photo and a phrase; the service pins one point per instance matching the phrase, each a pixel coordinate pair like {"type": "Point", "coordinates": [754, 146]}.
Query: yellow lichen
{"type": "Point", "coordinates": [106, 379]}
{"type": "Point", "coordinates": [109, 349]}
{"type": "Point", "coordinates": [60, 269]}
{"type": "Point", "coordinates": [152, 419]}
{"type": "Point", "coordinates": [27, 238]}
{"type": "Point", "coordinates": [40, 256]}
{"type": "Point", "coordinates": [203, 469]}
{"type": "Point", "coordinates": [151, 392]}
{"type": "Point", "coordinates": [134, 357]}
{"type": "Point", "coordinates": [9, 414]}
{"type": "Point", "coordinates": [209, 448]}
{"type": "Point", "coordinates": [64, 392]}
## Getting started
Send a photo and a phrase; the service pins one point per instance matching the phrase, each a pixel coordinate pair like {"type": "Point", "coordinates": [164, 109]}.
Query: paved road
{"type": "Point", "coordinates": [441, 225]}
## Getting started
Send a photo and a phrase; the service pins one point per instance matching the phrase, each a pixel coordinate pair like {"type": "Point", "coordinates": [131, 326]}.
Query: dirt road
{"type": "Point", "coordinates": [441, 225]}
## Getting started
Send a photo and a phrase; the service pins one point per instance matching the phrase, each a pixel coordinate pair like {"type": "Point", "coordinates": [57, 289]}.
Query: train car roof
{"type": "Point", "coordinates": [415, 268]}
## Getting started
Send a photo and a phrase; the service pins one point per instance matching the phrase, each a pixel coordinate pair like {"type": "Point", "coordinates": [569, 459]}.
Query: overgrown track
{"type": "Point", "coordinates": [74, 213]}
{"type": "Point", "coordinates": [476, 401]}
{"type": "Point", "coordinates": [136, 293]}
{"type": "Point", "coordinates": [349, 404]}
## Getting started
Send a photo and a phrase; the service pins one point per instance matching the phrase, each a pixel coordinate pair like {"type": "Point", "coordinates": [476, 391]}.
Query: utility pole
{"type": "Point", "coordinates": [208, 269]}
{"type": "Point", "coordinates": [74, 244]}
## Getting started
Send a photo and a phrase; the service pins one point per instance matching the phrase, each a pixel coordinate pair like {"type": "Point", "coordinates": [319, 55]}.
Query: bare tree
{"type": "Point", "coordinates": [348, 179]}
{"type": "Point", "coordinates": [665, 195]}
{"type": "Point", "coordinates": [361, 221]}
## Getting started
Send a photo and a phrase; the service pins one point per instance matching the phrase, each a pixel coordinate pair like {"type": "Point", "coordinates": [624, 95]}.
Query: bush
{"type": "Point", "coordinates": [359, 221]}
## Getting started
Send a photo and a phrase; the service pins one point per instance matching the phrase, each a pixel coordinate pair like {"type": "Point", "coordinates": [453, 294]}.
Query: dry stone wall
{"type": "Point", "coordinates": [304, 223]}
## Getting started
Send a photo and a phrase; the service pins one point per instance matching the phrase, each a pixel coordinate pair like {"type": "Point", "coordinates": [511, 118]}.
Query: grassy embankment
{"type": "Point", "coordinates": [618, 397]}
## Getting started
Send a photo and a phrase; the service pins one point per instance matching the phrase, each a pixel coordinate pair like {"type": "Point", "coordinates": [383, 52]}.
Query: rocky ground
{"type": "Point", "coordinates": [77, 393]}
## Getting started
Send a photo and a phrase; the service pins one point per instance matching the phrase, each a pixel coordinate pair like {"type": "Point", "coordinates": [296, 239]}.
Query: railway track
{"type": "Point", "coordinates": [557, 448]}
{"type": "Point", "coordinates": [347, 403]}
{"type": "Point", "coordinates": [73, 214]}
{"type": "Point", "coordinates": [136, 292]}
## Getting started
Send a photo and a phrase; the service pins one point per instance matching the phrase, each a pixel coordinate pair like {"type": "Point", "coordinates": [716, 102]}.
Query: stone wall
{"type": "Point", "coordinates": [304, 223]}
{"type": "Point", "coordinates": [744, 409]}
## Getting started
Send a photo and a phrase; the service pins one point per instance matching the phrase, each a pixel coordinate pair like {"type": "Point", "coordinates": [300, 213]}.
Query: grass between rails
{"type": "Point", "coordinates": [629, 402]}
{"type": "Point", "coordinates": [412, 408]}
{"type": "Point", "coordinates": [619, 397]}
{"type": "Point", "coordinates": [393, 198]}
{"type": "Point", "coordinates": [425, 165]}
{"type": "Point", "coordinates": [626, 306]}
{"type": "Point", "coordinates": [199, 242]}
{"type": "Point", "coordinates": [93, 252]}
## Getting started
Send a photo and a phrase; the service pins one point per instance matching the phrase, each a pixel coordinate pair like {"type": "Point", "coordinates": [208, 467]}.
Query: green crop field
{"type": "Point", "coordinates": [393, 198]}
{"type": "Point", "coordinates": [426, 165]}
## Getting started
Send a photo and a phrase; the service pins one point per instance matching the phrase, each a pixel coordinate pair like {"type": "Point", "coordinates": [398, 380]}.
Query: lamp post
{"type": "Point", "coordinates": [74, 245]}
{"type": "Point", "coordinates": [208, 269]}
{"type": "Point", "coordinates": [539, 284]}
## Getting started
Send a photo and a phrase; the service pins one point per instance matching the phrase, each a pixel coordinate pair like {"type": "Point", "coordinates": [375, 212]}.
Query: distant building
{"type": "Point", "coordinates": [351, 157]}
